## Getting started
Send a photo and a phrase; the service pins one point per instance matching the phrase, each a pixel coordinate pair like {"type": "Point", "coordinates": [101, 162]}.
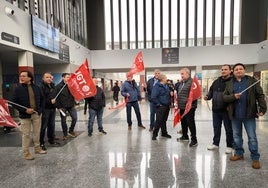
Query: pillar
{"type": "Point", "coordinates": [25, 60]}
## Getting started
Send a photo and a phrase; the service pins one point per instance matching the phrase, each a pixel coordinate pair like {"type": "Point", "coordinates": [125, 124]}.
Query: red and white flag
{"type": "Point", "coordinates": [194, 94]}
{"type": "Point", "coordinates": [5, 118]}
{"type": "Point", "coordinates": [177, 116]}
{"type": "Point", "coordinates": [81, 84]}
{"type": "Point", "coordinates": [138, 64]}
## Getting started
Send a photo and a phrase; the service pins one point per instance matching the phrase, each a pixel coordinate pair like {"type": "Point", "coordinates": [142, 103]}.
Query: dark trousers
{"type": "Point", "coordinates": [218, 118]}
{"type": "Point", "coordinates": [162, 113]}
{"type": "Point", "coordinates": [73, 114]}
{"type": "Point", "coordinates": [47, 122]}
{"type": "Point", "coordinates": [136, 107]}
{"type": "Point", "coordinates": [188, 121]}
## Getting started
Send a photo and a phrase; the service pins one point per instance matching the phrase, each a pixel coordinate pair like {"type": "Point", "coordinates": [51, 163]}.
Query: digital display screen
{"type": "Point", "coordinates": [44, 35]}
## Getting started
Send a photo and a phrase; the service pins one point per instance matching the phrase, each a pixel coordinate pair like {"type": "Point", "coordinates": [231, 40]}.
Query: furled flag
{"type": "Point", "coordinates": [81, 84]}
{"type": "Point", "coordinates": [194, 94]}
{"type": "Point", "coordinates": [177, 116]}
{"type": "Point", "coordinates": [138, 64]}
{"type": "Point", "coordinates": [5, 118]}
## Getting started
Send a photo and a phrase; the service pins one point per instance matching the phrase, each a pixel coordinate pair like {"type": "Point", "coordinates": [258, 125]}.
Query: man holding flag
{"type": "Point", "coordinates": [188, 93]}
{"type": "Point", "coordinates": [65, 102]}
{"type": "Point", "coordinates": [246, 102]}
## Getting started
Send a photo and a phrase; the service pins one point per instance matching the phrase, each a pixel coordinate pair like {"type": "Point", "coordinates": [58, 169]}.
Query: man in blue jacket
{"type": "Point", "coordinates": [131, 91]}
{"type": "Point", "coordinates": [30, 100]}
{"type": "Point", "coordinates": [161, 99]}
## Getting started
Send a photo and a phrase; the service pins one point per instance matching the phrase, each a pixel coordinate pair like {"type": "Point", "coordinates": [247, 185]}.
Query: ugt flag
{"type": "Point", "coordinates": [138, 64]}
{"type": "Point", "coordinates": [177, 116]}
{"type": "Point", "coordinates": [81, 84]}
{"type": "Point", "coordinates": [5, 118]}
{"type": "Point", "coordinates": [194, 94]}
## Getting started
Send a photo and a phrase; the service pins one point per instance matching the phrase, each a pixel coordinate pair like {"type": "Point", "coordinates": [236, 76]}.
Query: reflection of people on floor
{"type": "Point", "coordinates": [186, 169]}
{"type": "Point", "coordinates": [160, 169]}
{"type": "Point", "coordinates": [131, 167]}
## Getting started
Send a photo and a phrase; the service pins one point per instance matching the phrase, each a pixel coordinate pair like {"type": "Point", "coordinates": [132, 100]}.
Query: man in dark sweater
{"type": "Point", "coordinates": [96, 106]}
{"type": "Point", "coordinates": [65, 102]}
{"type": "Point", "coordinates": [49, 112]}
{"type": "Point", "coordinates": [219, 110]}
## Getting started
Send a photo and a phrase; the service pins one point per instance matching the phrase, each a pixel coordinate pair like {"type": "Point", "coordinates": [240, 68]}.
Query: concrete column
{"type": "Point", "coordinates": [1, 79]}
{"type": "Point", "coordinates": [142, 84]}
{"type": "Point", "coordinates": [25, 60]}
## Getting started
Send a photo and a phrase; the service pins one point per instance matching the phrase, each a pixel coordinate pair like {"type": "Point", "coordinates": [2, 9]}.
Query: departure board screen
{"type": "Point", "coordinates": [44, 35]}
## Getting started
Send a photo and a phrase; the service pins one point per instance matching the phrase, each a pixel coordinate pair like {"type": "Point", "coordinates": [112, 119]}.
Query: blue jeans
{"type": "Point", "coordinates": [48, 122]}
{"type": "Point", "coordinates": [92, 114]}
{"type": "Point", "coordinates": [73, 114]}
{"type": "Point", "coordinates": [136, 107]}
{"type": "Point", "coordinates": [250, 127]}
{"type": "Point", "coordinates": [152, 115]}
{"type": "Point", "coordinates": [218, 118]}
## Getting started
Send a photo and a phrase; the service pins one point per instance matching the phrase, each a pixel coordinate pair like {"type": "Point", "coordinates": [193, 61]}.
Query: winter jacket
{"type": "Point", "coordinates": [255, 98]}
{"type": "Point", "coordinates": [65, 99]}
{"type": "Point", "coordinates": [160, 95]}
{"type": "Point", "coordinates": [47, 90]}
{"type": "Point", "coordinates": [150, 85]}
{"type": "Point", "coordinates": [132, 89]}
{"type": "Point", "coordinates": [21, 96]}
{"type": "Point", "coordinates": [98, 101]}
{"type": "Point", "coordinates": [215, 93]}
{"type": "Point", "coordinates": [183, 94]}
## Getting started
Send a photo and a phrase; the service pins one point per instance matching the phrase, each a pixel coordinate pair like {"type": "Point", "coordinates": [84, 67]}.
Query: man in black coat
{"type": "Point", "coordinates": [65, 103]}
{"type": "Point", "coordinates": [96, 107]}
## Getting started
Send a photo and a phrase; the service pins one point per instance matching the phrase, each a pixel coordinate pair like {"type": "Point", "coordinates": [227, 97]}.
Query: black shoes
{"type": "Point", "coordinates": [183, 139]}
{"type": "Point", "coordinates": [166, 135]}
{"type": "Point", "coordinates": [193, 143]}
{"type": "Point", "coordinates": [54, 144]}
{"type": "Point", "coordinates": [103, 132]}
{"type": "Point", "coordinates": [153, 138]}
{"type": "Point", "coordinates": [43, 147]}
{"type": "Point", "coordinates": [141, 126]}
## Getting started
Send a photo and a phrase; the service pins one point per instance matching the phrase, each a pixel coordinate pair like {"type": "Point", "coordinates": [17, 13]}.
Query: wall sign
{"type": "Point", "coordinates": [10, 38]}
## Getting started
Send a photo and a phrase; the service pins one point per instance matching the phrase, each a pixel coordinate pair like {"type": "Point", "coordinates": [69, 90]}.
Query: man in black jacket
{"type": "Point", "coordinates": [219, 110]}
{"type": "Point", "coordinates": [30, 103]}
{"type": "Point", "coordinates": [65, 103]}
{"type": "Point", "coordinates": [49, 112]}
{"type": "Point", "coordinates": [96, 106]}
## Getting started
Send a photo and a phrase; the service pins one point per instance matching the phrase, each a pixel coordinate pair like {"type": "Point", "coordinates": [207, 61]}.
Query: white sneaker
{"type": "Point", "coordinates": [229, 150]}
{"type": "Point", "coordinates": [212, 147]}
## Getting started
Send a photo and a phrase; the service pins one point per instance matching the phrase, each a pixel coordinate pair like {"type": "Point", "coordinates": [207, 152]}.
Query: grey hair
{"type": "Point", "coordinates": [186, 70]}
{"type": "Point", "coordinates": [161, 77]}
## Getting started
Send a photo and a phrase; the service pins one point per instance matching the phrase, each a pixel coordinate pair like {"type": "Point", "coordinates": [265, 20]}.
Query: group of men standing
{"type": "Point", "coordinates": [237, 99]}
{"type": "Point", "coordinates": [37, 106]}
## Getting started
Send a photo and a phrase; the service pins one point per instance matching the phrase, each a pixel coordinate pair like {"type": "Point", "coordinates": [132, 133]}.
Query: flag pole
{"type": "Point", "coordinates": [60, 91]}
{"type": "Point", "coordinates": [250, 86]}
{"type": "Point", "coordinates": [16, 104]}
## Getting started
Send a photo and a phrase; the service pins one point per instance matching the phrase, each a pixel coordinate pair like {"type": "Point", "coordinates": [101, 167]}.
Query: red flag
{"type": "Point", "coordinates": [81, 84]}
{"type": "Point", "coordinates": [5, 118]}
{"type": "Point", "coordinates": [177, 116]}
{"type": "Point", "coordinates": [194, 94]}
{"type": "Point", "coordinates": [123, 104]}
{"type": "Point", "coordinates": [138, 64]}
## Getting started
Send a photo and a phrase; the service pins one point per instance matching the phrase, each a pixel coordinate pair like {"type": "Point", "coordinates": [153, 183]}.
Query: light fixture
{"type": "Point", "coordinates": [77, 47]}
{"type": "Point", "coordinates": [9, 11]}
{"type": "Point", "coordinates": [63, 39]}
{"type": "Point", "coordinates": [263, 46]}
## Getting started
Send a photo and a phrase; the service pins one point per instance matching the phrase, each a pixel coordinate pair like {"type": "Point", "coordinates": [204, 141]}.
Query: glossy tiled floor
{"type": "Point", "coordinates": [125, 158]}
